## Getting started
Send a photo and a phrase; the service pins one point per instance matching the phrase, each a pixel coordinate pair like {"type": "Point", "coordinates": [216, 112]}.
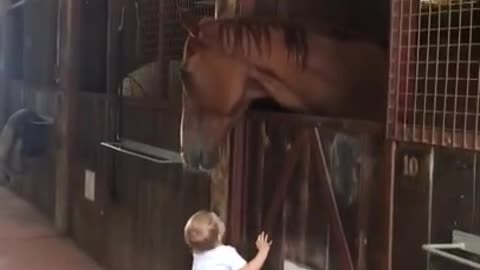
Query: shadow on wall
{"type": "Point", "coordinates": [25, 135]}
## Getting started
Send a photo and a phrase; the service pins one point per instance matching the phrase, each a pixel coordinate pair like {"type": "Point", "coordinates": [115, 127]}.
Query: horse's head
{"type": "Point", "coordinates": [213, 97]}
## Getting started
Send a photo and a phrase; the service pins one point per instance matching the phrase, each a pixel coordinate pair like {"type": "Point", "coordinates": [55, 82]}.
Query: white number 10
{"type": "Point", "coordinates": [410, 166]}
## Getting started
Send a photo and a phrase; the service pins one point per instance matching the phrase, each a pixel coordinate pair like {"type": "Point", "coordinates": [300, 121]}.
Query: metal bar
{"type": "Point", "coordinates": [349, 126]}
{"type": "Point", "coordinates": [443, 11]}
{"type": "Point", "coordinates": [431, 162]}
{"type": "Point", "coordinates": [328, 197]}
{"type": "Point", "coordinates": [437, 250]}
{"type": "Point", "coordinates": [471, 137]}
{"type": "Point", "coordinates": [399, 78]}
{"type": "Point", "coordinates": [425, 86]}
{"type": "Point", "coordinates": [147, 152]}
{"type": "Point", "coordinates": [469, 64]}
{"type": "Point", "coordinates": [390, 165]}
{"type": "Point", "coordinates": [417, 65]}
{"type": "Point", "coordinates": [471, 241]}
{"type": "Point", "coordinates": [461, 240]}
{"type": "Point", "coordinates": [391, 129]}
{"type": "Point", "coordinates": [457, 74]}
{"type": "Point", "coordinates": [152, 150]}
{"type": "Point", "coordinates": [437, 71]}
{"type": "Point", "coordinates": [408, 62]}
{"type": "Point", "coordinates": [17, 4]}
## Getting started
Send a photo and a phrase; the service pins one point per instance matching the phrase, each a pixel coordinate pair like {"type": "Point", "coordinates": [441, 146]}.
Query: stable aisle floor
{"type": "Point", "coordinates": [29, 242]}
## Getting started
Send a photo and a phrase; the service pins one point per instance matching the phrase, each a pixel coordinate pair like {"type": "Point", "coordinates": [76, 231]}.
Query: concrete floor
{"type": "Point", "coordinates": [28, 241]}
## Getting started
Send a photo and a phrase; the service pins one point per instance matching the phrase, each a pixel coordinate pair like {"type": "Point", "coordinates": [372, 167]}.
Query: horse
{"type": "Point", "coordinates": [230, 63]}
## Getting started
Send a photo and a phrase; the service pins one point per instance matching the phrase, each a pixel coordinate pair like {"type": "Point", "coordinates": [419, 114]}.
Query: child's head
{"type": "Point", "coordinates": [204, 231]}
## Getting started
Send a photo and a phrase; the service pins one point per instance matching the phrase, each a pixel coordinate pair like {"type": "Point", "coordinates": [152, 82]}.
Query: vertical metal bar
{"type": "Point", "coordinates": [477, 110]}
{"type": "Point", "coordinates": [469, 65]}
{"type": "Point", "coordinates": [477, 114]}
{"type": "Point", "coordinates": [407, 73]}
{"type": "Point", "coordinates": [474, 189]}
{"type": "Point", "coordinates": [457, 73]}
{"type": "Point", "coordinates": [447, 71]}
{"type": "Point", "coordinates": [437, 66]}
{"type": "Point", "coordinates": [431, 165]}
{"type": "Point", "coordinates": [391, 168]}
{"type": "Point", "coordinates": [399, 66]}
{"type": "Point", "coordinates": [417, 66]}
{"type": "Point", "coordinates": [424, 117]}
{"type": "Point", "coordinates": [391, 103]}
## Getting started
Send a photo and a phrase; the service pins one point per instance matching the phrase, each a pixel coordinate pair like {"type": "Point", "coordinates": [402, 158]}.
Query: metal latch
{"type": "Point", "coordinates": [469, 243]}
{"type": "Point", "coordinates": [144, 151]}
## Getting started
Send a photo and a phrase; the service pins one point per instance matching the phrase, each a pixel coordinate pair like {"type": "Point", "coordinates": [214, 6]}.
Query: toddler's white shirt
{"type": "Point", "coordinates": [220, 258]}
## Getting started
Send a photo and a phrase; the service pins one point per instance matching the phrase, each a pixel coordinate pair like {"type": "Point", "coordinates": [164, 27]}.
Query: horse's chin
{"type": "Point", "coordinates": [207, 167]}
{"type": "Point", "coordinates": [200, 163]}
{"type": "Point", "coordinates": [196, 169]}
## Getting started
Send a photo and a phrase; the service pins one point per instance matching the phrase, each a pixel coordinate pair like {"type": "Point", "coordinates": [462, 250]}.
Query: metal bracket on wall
{"type": "Point", "coordinates": [144, 151]}
{"type": "Point", "coordinates": [463, 241]}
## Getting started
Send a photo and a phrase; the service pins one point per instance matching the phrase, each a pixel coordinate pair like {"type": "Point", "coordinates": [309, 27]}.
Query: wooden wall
{"type": "Point", "coordinates": [35, 90]}
{"type": "Point", "coordinates": [137, 218]}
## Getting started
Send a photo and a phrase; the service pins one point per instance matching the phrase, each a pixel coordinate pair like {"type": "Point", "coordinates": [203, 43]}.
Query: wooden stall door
{"type": "Point", "coordinates": [287, 195]}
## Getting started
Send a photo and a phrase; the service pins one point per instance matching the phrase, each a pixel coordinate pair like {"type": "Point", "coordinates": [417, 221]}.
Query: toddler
{"type": "Point", "coordinates": [204, 233]}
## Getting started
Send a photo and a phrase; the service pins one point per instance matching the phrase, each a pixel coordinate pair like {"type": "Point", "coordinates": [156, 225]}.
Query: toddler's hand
{"type": "Point", "coordinates": [262, 242]}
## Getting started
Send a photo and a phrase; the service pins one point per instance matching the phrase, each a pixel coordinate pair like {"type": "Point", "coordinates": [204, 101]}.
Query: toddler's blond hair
{"type": "Point", "coordinates": [204, 231]}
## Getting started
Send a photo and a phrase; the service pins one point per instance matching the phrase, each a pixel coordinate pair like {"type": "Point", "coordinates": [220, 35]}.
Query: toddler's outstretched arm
{"type": "Point", "coordinates": [263, 246]}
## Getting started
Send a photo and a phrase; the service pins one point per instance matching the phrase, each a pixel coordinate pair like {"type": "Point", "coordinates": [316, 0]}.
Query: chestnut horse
{"type": "Point", "coordinates": [228, 63]}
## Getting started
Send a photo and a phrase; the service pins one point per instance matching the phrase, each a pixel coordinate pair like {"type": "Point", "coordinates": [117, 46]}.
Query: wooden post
{"type": "Point", "coordinates": [70, 12]}
{"type": "Point", "coordinates": [5, 30]}
{"type": "Point", "coordinates": [3, 78]}
{"type": "Point", "coordinates": [221, 176]}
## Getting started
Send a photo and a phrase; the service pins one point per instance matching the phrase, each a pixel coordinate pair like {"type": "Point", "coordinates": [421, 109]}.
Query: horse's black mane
{"type": "Point", "coordinates": [232, 31]}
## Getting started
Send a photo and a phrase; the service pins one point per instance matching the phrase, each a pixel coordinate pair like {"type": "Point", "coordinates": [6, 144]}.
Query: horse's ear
{"type": "Point", "coordinates": [189, 22]}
